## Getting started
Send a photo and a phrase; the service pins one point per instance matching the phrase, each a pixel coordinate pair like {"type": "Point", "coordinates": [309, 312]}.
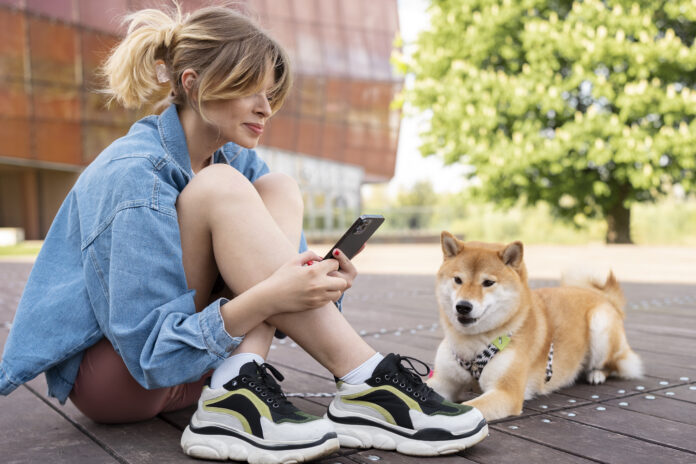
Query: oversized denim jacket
{"type": "Point", "coordinates": [111, 266]}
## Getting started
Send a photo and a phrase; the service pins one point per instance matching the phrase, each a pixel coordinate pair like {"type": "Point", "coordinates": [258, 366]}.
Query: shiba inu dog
{"type": "Point", "coordinates": [512, 343]}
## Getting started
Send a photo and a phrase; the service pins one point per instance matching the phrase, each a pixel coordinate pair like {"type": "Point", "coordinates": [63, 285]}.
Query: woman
{"type": "Point", "coordinates": [122, 310]}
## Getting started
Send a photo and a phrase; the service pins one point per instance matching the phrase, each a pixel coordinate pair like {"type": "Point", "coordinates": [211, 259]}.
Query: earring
{"type": "Point", "coordinates": [161, 71]}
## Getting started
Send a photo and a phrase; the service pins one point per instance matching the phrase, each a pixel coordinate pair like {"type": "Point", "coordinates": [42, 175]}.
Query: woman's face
{"type": "Point", "coordinates": [241, 120]}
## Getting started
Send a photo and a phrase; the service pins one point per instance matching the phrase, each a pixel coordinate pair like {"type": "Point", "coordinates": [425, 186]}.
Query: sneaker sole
{"type": "Point", "coordinates": [361, 432]}
{"type": "Point", "coordinates": [223, 444]}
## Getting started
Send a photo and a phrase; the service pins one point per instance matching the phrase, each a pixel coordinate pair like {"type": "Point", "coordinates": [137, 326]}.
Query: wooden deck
{"type": "Point", "coordinates": [648, 421]}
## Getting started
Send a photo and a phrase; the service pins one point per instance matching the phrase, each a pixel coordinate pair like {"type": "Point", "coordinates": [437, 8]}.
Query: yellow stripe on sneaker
{"type": "Point", "coordinates": [354, 399]}
{"type": "Point", "coordinates": [242, 419]}
{"type": "Point", "coordinates": [260, 405]}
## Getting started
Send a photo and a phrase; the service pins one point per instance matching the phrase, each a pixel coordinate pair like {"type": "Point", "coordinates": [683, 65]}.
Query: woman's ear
{"type": "Point", "coordinates": [188, 78]}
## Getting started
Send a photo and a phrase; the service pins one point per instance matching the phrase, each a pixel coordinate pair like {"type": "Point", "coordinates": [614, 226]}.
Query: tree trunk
{"type": "Point", "coordinates": [619, 224]}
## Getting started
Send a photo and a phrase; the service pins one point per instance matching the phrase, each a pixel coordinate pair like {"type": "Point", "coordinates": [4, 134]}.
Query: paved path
{"type": "Point", "coordinates": [392, 306]}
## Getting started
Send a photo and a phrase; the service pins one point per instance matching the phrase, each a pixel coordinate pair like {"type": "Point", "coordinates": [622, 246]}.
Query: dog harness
{"type": "Point", "coordinates": [475, 366]}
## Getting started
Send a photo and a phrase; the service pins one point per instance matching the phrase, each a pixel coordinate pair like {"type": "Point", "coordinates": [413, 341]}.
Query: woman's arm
{"type": "Point", "coordinates": [151, 316]}
{"type": "Point", "coordinates": [295, 286]}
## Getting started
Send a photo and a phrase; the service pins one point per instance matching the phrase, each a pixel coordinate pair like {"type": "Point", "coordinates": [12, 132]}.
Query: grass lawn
{"type": "Point", "coordinates": [28, 248]}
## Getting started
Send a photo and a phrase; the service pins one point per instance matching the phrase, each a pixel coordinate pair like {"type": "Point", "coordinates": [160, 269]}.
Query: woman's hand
{"type": "Point", "coordinates": [346, 270]}
{"type": "Point", "coordinates": [305, 282]}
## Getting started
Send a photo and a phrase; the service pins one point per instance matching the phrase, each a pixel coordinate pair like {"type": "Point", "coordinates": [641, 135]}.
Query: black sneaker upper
{"type": "Point", "coordinates": [255, 381]}
{"type": "Point", "coordinates": [406, 378]}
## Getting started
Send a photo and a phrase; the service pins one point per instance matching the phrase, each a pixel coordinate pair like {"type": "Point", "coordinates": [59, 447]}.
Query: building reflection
{"type": "Point", "coordinates": [335, 132]}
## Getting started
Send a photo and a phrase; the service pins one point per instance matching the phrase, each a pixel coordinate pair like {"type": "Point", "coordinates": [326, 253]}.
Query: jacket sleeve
{"type": "Point", "coordinates": [152, 321]}
{"type": "Point", "coordinates": [246, 161]}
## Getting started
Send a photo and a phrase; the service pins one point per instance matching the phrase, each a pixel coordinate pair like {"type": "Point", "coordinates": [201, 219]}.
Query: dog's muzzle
{"type": "Point", "coordinates": [464, 308]}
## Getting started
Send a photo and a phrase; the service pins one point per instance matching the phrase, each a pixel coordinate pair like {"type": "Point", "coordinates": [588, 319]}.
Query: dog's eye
{"type": "Point", "coordinates": [457, 281]}
{"type": "Point", "coordinates": [488, 283]}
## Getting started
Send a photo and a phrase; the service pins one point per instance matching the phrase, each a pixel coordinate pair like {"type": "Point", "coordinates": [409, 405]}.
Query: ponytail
{"type": "Point", "coordinates": [130, 70]}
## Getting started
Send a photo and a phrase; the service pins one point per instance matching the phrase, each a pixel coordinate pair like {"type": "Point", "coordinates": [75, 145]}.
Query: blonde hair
{"type": "Point", "coordinates": [230, 54]}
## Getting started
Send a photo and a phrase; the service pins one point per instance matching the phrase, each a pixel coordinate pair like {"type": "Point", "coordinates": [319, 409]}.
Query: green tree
{"type": "Point", "coordinates": [415, 205]}
{"type": "Point", "coordinates": [586, 105]}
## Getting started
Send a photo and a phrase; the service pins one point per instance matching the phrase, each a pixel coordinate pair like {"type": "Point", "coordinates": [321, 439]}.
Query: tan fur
{"type": "Point", "coordinates": [583, 318]}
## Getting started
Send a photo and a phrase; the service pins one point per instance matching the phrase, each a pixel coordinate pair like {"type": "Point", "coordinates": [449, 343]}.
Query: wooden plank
{"type": "Point", "coordinates": [679, 411]}
{"type": "Point", "coordinates": [662, 365]}
{"type": "Point", "coordinates": [591, 442]}
{"type": "Point", "coordinates": [645, 427]}
{"type": "Point", "coordinates": [679, 360]}
{"type": "Point", "coordinates": [660, 343]}
{"type": "Point", "coordinates": [503, 448]}
{"type": "Point", "coordinates": [664, 320]}
{"type": "Point", "coordinates": [151, 441]}
{"type": "Point", "coordinates": [641, 291]}
{"type": "Point", "coordinates": [650, 328]}
{"type": "Point", "coordinates": [179, 418]}
{"type": "Point", "coordinates": [389, 457]}
{"type": "Point", "coordinates": [553, 402]}
{"type": "Point", "coordinates": [30, 431]}
{"type": "Point", "coordinates": [337, 458]}
{"type": "Point", "coordinates": [301, 382]}
{"type": "Point", "coordinates": [4, 333]}
{"type": "Point", "coordinates": [13, 276]}
{"type": "Point", "coordinates": [421, 336]}
{"type": "Point", "coordinates": [372, 319]}
{"type": "Point", "coordinates": [682, 393]}
{"type": "Point", "coordinates": [617, 388]}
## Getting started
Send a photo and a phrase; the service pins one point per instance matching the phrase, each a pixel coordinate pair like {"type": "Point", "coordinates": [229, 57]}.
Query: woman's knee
{"type": "Point", "coordinates": [217, 182]}
{"type": "Point", "coordinates": [280, 187]}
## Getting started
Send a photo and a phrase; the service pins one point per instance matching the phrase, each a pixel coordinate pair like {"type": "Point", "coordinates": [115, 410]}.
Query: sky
{"type": "Point", "coordinates": [411, 166]}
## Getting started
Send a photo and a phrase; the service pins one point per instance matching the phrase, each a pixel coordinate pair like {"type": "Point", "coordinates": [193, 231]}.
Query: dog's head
{"type": "Point", "coordinates": [480, 286]}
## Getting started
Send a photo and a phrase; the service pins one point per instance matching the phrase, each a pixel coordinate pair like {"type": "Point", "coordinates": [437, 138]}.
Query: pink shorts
{"type": "Point", "coordinates": [105, 391]}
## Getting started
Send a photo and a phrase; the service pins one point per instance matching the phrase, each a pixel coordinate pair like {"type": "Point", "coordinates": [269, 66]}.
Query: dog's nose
{"type": "Point", "coordinates": [464, 307]}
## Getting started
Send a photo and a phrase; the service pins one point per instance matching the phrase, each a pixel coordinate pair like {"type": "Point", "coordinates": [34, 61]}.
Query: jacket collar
{"type": "Point", "coordinates": [174, 139]}
{"type": "Point", "coordinates": [174, 142]}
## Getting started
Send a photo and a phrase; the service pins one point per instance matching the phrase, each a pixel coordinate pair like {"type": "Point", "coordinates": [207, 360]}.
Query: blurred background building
{"type": "Point", "coordinates": [335, 133]}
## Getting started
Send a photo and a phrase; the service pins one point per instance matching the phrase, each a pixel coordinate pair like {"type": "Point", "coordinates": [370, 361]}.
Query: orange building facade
{"type": "Point", "coordinates": [335, 132]}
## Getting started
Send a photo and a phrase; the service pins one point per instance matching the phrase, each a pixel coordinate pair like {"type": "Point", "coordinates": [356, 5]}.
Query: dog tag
{"type": "Point", "coordinates": [501, 342]}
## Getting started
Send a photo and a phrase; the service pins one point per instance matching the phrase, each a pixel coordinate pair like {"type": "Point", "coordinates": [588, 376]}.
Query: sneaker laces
{"type": "Point", "coordinates": [266, 386]}
{"type": "Point", "coordinates": [412, 376]}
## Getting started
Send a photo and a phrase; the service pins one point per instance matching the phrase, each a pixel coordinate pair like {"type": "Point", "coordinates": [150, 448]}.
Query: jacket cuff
{"type": "Point", "coordinates": [218, 341]}
{"type": "Point", "coordinates": [339, 302]}
{"type": "Point", "coordinates": [6, 384]}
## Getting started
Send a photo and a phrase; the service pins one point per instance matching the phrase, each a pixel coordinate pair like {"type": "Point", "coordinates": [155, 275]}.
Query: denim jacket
{"type": "Point", "coordinates": [111, 266]}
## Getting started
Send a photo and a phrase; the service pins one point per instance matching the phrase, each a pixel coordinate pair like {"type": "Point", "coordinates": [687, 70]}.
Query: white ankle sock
{"type": "Point", "coordinates": [229, 368]}
{"type": "Point", "coordinates": [363, 371]}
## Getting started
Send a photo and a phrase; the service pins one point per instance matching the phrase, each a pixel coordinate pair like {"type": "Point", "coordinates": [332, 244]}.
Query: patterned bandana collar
{"type": "Point", "coordinates": [475, 366]}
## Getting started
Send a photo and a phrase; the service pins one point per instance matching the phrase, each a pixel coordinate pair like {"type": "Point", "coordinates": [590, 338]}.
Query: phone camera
{"type": "Point", "coordinates": [361, 228]}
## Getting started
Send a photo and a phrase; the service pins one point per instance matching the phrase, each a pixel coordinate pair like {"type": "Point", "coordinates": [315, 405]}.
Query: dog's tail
{"type": "Point", "coordinates": [602, 281]}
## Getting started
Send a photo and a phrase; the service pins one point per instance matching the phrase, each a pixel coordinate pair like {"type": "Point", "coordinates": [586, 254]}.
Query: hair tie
{"type": "Point", "coordinates": [161, 71]}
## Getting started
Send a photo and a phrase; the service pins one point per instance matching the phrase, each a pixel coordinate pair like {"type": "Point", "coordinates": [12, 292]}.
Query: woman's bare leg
{"type": "Point", "coordinates": [245, 234]}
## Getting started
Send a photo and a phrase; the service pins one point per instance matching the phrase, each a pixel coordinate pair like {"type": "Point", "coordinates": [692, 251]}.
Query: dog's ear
{"type": "Point", "coordinates": [450, 244]}
{"type": "Point", "coordinates": [512, 254]}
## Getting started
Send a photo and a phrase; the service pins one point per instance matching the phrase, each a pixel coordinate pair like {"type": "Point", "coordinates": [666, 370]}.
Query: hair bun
{"type": "Point", "coordinates": [169, 32]}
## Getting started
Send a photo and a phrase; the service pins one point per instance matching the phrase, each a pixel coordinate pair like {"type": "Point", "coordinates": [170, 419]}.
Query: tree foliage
{"type": "Point", "coordinates": [416, 204]}
{"type": "Point", "coordinates": [586, 105]}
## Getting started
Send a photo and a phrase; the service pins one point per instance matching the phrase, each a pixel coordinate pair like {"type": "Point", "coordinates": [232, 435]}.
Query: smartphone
{"type": "Point", "coordinates": [356, 235]}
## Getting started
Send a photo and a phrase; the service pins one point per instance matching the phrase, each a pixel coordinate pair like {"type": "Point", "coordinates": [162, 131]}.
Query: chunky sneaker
{"type": "Point", "coordinates": [395, 410]}
{"type": "Point", "coordinates": [250, 419]}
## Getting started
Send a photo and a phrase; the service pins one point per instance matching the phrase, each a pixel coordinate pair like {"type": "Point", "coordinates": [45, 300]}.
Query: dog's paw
{"type": "Point", "coordinates": [596, 376]}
